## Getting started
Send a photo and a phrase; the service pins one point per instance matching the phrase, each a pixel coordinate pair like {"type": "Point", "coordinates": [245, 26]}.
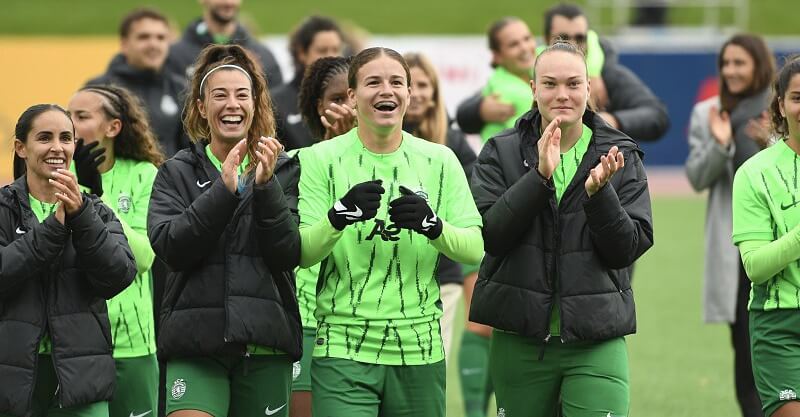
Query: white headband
{"type": "Point", "coordinates": [203, 81]}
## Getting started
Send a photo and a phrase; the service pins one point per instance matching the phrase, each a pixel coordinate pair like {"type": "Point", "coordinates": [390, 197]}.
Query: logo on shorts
{"type": "Point", "coordinates": [296, 368]}
{"type": "Point", "coordinates": [178, 389]}
{"type": "Point", "coordinates": [787, 394]}
{"type": "Point", "coordinates": [124, 203]}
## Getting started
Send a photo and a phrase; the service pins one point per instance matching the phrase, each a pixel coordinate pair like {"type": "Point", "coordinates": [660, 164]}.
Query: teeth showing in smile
{"type": "Point", "coordinates": [385, 105]}
{"type": "Point", "coordinates": [54, 161]}
{"type": "Point", "coordinates": [232, 119]}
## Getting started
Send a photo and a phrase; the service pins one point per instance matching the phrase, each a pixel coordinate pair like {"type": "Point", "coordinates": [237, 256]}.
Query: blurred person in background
{"type": "Point", "coordinates": [219, 25]}
{"type": "Point", "coordinates": [618, 94]}
{"type": "Point", "coordinates": [724, 132]}
{"type": "Point", "coordinates": [766, 229]}
{"type": "Point", "coordinates": [316, 37]}
{"type": "Point", "coordinates": [116, 157]}
{"type": "Point", "coordinates": [427, 118]}
{"type": "Point", "coordinates": [139, 67]}
{"type": "Point", "coordinates": [324, 87]}
{"type": "Point", "coordinates": [566, 212]}
{"type": "Point", "coordinates": [64, 254]}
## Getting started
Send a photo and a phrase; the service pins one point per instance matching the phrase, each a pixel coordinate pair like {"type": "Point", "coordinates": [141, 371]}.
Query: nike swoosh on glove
{"type": "Point", "coordinates": [360, 203]}
{"type": "Point", "coordinates": [87, 161]}
{"type": "Point", "coordinates": [411, 211]}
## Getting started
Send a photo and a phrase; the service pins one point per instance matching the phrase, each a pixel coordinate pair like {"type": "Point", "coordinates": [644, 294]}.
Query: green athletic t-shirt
{"type": "Point", "coordinates": [306, 279]}
{"type": "Point", "coordinates": [251, 349]}
{"type": "Point", "coordinates": [378, 299]}
{"type": "Point", "coordinates": [766, 206]}
{"type": "Point", "coordinates": [562, 177]}
{"type": "Point", "coordinates": [512, 90]}
{"type": "Point", "coordinates": [42, 211]}
{"type": "Point", "coordinates": [126, 190]}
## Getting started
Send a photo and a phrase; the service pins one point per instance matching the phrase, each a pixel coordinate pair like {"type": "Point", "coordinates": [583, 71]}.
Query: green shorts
{"type": "Point", "coordinates": [301, 370]}
{"type": "Point", "coordinates": [346, 388]}
{"type": "Point", "coordinates": [45, 402]}
{"type": "Point", "coordinates": [591, 378]}
{"type": "Point", "coordinates": [775, 348]}
{"type": "Point", "coordinates": [236, 386]}
{"type": "Point", "coordinates": [136, 393]}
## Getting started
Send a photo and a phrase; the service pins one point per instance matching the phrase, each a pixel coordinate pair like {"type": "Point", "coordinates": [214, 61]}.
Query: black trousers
{"type": "Point", "coordinates": [746, 393]}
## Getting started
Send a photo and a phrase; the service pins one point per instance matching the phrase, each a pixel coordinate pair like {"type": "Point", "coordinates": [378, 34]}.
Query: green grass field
{"type": "Point", "coordinates": [101, 17]}
{"type": "Point", "coordinates": [680, 367]}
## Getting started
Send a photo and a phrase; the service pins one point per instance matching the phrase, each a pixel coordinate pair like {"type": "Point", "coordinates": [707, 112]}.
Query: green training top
{"type": "Point", "coordinates": [512, 90]}
{"type": "Point", "coordinates": [251, 349]}
{"type": "Point", "coordinates": [562, 177]}
{"type": "Point", "coordinates": [766, 206]}
{"type": "Point", "coordinates": [378, 299]}
{"type": "Point", "coordinates": [42, 211]}
{"type": "Point", "coordinates": [126, 190]}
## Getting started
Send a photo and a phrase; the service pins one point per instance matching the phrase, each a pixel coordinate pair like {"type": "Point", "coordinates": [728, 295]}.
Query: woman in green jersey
{"type": "Point", "coordinates": [229, 326]}
{"type": "Point", "coordinates": [116, 157]}
{"type": "Point", "coordinates": [328, 112]}
{"type": "Point", "coordinates": [63, 255]}
{"type": "Point", "coordinates": [766, 228]}
{"type": "Point", "coordinates": [566, 212]}
{"type": "Point", "coordinates": [377, 207]}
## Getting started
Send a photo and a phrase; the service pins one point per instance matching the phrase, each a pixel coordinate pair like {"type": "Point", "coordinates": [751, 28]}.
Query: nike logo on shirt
{"type": "Point", "coordinates": [349, 215]}
{"type": "Point", "coordinates": [20, 231]}
{"type": "Point", "coordinates": [269, 412]}
{"type": "Point", "coordinates": [202, 184]}
{"type": "Point", "coordinates": [140, 415]}
{"type": "Point", "coordinates": [788, 206]}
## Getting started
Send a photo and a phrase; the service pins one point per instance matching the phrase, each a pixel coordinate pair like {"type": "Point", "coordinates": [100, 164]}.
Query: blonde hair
{"type": "Point", "coordinates": [263, 119]}
{"type": "Point", "coordinates": [434, 123]}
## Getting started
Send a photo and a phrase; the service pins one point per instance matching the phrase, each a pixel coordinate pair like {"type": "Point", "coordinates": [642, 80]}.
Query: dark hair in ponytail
{"type": "Point", "coordinates": [24, 126]}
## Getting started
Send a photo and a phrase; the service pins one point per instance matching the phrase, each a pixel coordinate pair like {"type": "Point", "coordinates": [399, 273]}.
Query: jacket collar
{"type": "Point", "coordinates": [199, 34]}
{"type": "Point", "coordinates": [120, 67]}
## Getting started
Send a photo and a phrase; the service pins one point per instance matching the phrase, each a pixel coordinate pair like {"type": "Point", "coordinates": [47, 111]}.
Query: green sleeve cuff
{"type": "Point", "coordinates": [764, 259]}
{"type": "Point", "coordinates": [463, 245]}
{"type": "Point", "coordinates": [317, 242]}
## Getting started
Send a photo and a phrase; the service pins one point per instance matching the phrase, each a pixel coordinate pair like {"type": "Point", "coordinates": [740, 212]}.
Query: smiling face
{"type": "Point", "coordinates": [335, 92]}
{"type": "Point", "coordinates": [227, 105]}
{"type": "Point", "coordinates": [326, 43]}
{"type": "Point", "coordinates": [516, 50]}
{"type": "Point", "coordinates": [422, 90]}
{"type": "Point", "coordinates": [381, 93]}
{"type": "Point", "coordinates": [49, 145]}
{"type": "Point", "coordinates": [738, 69]}
{"type": "Point", "coordinates": [147, 44]}
{"type": "Point", "coordinates": [561, 88]}
{"type": "Point", "coordinates": [790, 107]}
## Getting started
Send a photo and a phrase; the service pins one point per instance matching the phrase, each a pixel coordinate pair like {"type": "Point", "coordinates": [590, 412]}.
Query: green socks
{"type": "Point", "coordinates": [473, 367]}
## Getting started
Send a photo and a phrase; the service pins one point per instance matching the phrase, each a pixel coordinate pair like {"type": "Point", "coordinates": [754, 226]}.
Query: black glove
{"type": "Point", "coordinates": [87, 159]}
{"type": "Point", "coordinates": [359, 204]}
{"type": "Point", "coordinates": [411, 211]}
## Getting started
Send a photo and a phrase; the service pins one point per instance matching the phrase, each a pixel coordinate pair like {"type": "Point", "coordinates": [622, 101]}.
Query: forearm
{"type": "Point", "coordinates": [764, 259]}
{"type": "Point", "coordinates": [140, 246]}
{"type": "Point", "coordinates": [707, 161]}
{"type": "Point", "coordinates": [463, 245]}
{"type": "Point", "coordinates": [317, 242]}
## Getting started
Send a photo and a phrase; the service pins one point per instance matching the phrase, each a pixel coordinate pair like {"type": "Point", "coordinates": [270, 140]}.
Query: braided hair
{"type": "Point", "coordinates": [312, 89]}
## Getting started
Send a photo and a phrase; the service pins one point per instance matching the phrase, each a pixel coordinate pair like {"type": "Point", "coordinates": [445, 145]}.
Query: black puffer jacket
{"type": "Point", "coordinates": [231, 258]}
{"type": "Point", "coordinates": [160, 92]}
{"type": "Point", "coordinates": [183, 53]}
{"type": "Point", "coordinates": [57, 278]}
{"type": "Point", "coordinates": [291, 130]}
{"type": "Point", "coordinates": [579, 251]}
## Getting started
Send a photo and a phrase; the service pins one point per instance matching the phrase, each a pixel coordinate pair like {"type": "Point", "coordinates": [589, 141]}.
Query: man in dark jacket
{"type": "Point", "coordinates": [139, 68]}
{"type": "Point", "coordinates": [219, 26]}
{"type": "Point", "coordinates": [621, 98]}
